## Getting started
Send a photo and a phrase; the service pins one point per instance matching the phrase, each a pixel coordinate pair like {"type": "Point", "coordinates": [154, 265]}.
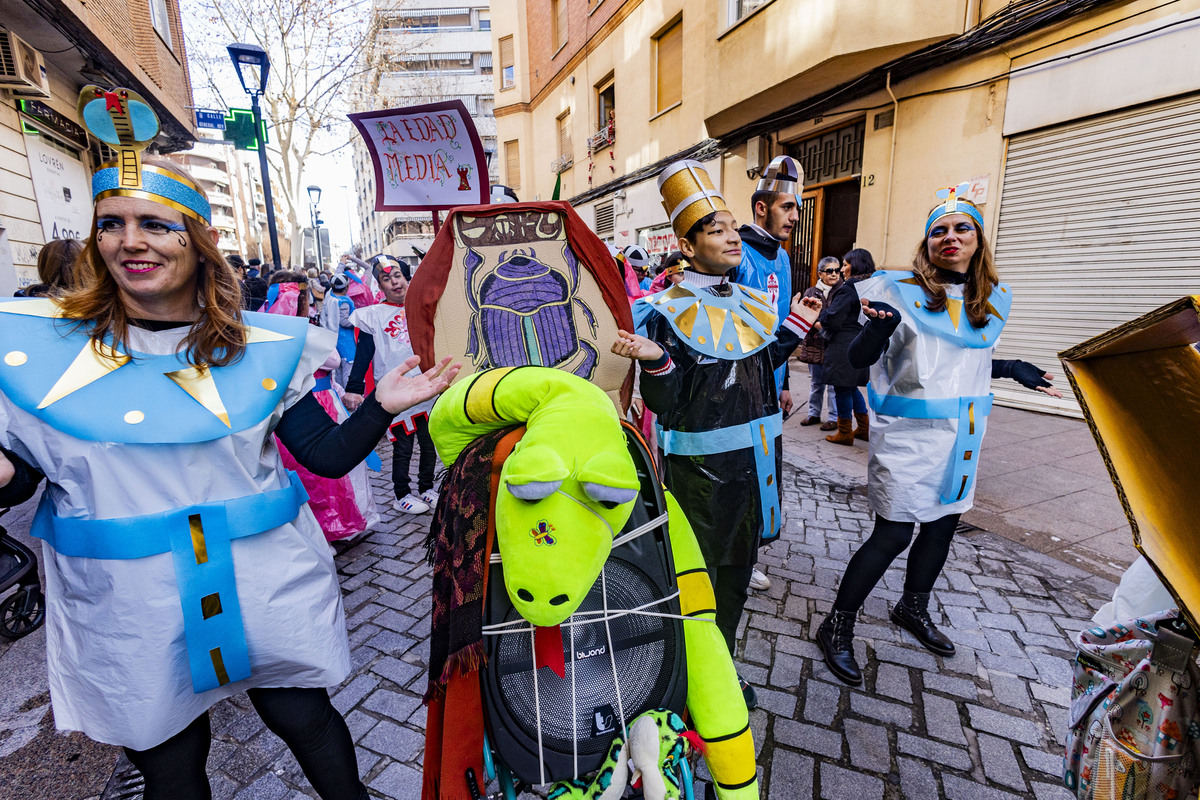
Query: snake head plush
{"type": "Point", "coordinates": [556, 521]}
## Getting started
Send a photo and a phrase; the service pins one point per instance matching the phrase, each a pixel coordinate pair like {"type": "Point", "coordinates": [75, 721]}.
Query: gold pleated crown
{"type": "Point", "coordinates": [688, 195]}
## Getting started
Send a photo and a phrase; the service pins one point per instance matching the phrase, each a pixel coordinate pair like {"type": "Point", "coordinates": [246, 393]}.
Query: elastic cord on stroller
{"type": "Point", "coordinates": [604, 615]}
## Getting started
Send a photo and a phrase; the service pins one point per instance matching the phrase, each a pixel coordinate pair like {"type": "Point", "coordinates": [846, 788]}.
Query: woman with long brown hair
{"type": "Point", "coordinates": [928, 340]}
{"type": "Point", "coordinates": [182, 562]}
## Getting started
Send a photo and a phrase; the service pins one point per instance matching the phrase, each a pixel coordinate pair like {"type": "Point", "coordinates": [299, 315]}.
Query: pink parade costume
{"type": "Point", "coordinates": [343, 506]}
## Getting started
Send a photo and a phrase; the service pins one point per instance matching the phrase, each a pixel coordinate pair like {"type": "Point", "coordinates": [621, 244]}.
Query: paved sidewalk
{"type": "Point", "coordinates": [984, 725]}
{"type": "Point", "coordinates": [1041, 482]}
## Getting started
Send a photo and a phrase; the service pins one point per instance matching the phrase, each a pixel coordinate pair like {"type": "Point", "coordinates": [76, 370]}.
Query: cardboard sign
{"type": "Point", "coordinates": [427, 158]}
{"type": "Point", "coordinates": [1138, 385]}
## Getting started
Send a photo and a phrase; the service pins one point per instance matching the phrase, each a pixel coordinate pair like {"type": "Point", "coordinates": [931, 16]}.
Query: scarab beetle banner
{"type": "Point", "coordinates": [520, 284]}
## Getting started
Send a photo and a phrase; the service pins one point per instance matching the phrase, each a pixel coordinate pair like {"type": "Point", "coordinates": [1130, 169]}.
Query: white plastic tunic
{"type": "Point", "coordinates": [118, 665]}
{"type": "Point", "coordinates": [910, 459]}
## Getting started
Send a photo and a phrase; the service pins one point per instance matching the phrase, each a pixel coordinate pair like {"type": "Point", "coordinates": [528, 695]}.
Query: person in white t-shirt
{"type": "Point", "coordinates": [383, 341]}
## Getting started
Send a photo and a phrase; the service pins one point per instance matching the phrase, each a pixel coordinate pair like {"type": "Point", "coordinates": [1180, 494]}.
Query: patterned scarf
{"type": "Point", "coordinates": [458, 545]}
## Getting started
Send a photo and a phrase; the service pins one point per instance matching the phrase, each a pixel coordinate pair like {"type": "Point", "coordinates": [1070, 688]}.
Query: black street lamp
{"type": "Point", "coordinates": [253, 66]}
{"type": "Point", "coordinates": [314, 199]}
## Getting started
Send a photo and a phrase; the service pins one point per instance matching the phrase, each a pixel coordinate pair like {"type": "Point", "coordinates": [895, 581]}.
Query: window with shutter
{"type": "Point", "coordinates": [508, 77]}
{"type": "Point", "coordinates": [564, 135]}
{"type": "Point", "coordinates": [512, 164]}
{"type": "Point", "coordinates": [559, 20]}
{"type": "Point", "coordinates": [669, 63]}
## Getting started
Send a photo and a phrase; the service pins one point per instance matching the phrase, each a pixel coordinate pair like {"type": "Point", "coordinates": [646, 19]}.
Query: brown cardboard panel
{"type": "Point", "coordinates": [1139, 388]}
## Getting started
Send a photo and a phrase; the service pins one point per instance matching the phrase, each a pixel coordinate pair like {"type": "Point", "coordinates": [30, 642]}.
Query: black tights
{"type": "Point", "coordinates": [887, 541]}
{"type": "Point", "coordinates": [305, 720]}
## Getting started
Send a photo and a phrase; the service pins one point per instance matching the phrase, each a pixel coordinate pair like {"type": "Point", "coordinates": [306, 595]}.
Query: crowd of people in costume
{"type": "Point", "coordinates": [164, 585]}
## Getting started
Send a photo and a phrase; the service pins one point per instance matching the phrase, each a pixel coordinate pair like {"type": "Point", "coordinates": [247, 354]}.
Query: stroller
{"type": "Point", "coordinates": [547, 729]}
{"type": "Point", "coordinates": [22, 612]}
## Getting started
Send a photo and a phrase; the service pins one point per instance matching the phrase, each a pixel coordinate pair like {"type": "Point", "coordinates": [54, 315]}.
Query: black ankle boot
{"type": "Point", "coordinates": [912, 614]}
{"type": "Point", "coordinates": [836, 637]}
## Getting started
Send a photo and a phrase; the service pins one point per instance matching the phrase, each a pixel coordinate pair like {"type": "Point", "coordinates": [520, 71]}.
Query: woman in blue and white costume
{"type": "Point", "coordinates": [182, 562]}
{"type": "Point", "coordinates": [928, 339]}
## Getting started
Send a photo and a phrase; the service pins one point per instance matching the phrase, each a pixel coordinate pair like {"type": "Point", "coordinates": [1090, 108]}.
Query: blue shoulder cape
{"type": "Point", "coordinates": [97, 393]}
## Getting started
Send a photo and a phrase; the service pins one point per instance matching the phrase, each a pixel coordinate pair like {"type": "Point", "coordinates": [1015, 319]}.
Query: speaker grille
{"type": "Point", "coordinates": [644, 651]}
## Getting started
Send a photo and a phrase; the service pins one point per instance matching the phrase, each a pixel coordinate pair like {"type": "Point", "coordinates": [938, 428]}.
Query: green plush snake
{"type": "Point", "coordinates": [656, 746]}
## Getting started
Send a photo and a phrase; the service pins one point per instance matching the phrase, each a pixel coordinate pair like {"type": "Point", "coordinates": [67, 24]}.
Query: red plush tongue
{"type": "Point", "coordinates": [548, 650]}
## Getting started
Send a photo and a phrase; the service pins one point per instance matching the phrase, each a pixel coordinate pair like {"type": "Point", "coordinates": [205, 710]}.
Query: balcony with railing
{"type": "Point", "coordinates": [562, 163]}
{"type": "Point", "coordinates": [605, 137]}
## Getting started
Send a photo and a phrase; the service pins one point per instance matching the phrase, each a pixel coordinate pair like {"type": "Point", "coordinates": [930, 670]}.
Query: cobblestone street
{"type": "Point", "coordinates": [984, 725]}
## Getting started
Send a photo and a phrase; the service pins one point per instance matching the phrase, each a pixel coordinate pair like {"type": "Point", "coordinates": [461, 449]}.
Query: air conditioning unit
{"type": "Point", "coordinates": [22, 69]}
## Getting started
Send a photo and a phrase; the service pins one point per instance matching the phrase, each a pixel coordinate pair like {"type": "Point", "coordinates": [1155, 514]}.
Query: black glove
{"type": "Point", "coordinates": [872, 340]}
{"type": "Point", "coordinates": [1022, 372]}
{"type": "Point", "coordinates": [883, 326]}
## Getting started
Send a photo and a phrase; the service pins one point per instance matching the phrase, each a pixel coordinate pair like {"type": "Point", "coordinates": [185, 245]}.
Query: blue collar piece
{"type": "Point", "coordinates": [952, 323]}
{"type": "Point", "coordinates": [55, 373]}
{"type": "Point", "coordinates": [730, 328]}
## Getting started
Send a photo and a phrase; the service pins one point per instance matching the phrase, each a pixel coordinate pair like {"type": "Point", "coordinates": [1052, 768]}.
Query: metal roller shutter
{"type": "Point", "coordinates": [1099, 223]}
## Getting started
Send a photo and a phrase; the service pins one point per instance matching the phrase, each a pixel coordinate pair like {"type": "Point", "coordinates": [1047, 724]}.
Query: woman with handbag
{"type": "Point", "coordinates": [812, 349]}
{"type": "Point", "coordinates": [839, 325]}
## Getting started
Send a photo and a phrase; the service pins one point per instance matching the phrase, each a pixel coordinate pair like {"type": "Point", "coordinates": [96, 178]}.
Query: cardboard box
{"type": "Point", "coordinates": [1139, 388]}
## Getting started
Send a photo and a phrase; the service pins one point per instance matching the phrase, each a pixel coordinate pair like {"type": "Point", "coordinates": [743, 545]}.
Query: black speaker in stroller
{"type": "Point", "coordinates": [617, 664]}
{"type": "Point", "coordinates": [22, 612]}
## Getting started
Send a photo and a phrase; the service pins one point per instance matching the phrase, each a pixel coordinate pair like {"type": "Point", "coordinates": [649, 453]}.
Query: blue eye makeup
{"type": "Point", "coordinates": [154, 226]}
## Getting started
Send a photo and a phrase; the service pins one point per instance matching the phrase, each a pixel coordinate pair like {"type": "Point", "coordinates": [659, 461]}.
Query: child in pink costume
{"type": "Point", "coordinates": [343, 506]}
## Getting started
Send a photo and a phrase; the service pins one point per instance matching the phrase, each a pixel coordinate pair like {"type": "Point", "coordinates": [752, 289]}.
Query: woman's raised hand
{"type": "Point", "coordinates": [635, 347]}
{"type": "Point", "coordinates": [396, 391]}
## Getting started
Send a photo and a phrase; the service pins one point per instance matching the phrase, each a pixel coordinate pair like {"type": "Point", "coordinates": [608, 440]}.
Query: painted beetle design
{"type": "Point", "coordinates": [523, 312]}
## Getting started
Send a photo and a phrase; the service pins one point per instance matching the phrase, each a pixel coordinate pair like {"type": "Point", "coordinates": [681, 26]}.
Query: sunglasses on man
{"type": "Point", "coordinates": [830, 270]}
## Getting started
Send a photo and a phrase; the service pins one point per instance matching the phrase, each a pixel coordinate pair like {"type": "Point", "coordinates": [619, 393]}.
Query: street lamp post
{"type": "Point", "coordinates": [253, 66]}
{"type": "Point", "coordinates": [314, 199]}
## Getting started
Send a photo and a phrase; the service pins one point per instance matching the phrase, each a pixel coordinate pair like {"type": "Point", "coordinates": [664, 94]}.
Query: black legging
{"type": "Point", "coordinates": [887, 541]}
{"type": "Point", "coordinates": [402, 456]}
{"type": "Point", "coordinates": [305, 720]}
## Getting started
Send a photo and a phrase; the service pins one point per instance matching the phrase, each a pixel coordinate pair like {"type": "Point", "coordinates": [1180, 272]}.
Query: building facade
{"type": "Point", "coordinates": [423, 52]}
{"type": "Point", "coordinates": [1074, 123]}
{"type": "Point", "coordinates": [49, 50]}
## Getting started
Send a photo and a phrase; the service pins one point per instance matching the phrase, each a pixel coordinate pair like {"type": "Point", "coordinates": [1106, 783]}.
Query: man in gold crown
{"type": "Point", "coordinates": [708, 349]}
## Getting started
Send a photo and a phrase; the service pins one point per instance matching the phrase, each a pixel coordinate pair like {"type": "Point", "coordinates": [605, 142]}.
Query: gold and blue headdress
{"type": "Point", "coordinates": [123, 120]}
{"type": "Point", "coordinates": [954, 203]}
{"type": "Point", "coordinates": [688, 195]}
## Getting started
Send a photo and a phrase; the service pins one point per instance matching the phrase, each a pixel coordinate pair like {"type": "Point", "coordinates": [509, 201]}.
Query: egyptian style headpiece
{"type": "Point", "coordinates": [954, 203]}
{"type": "Point", "coordinates": [123, 120]}
{"type": "Point", "coordinates": [688, 195]}
{"type": "Point", "coordinates": [784, 175]}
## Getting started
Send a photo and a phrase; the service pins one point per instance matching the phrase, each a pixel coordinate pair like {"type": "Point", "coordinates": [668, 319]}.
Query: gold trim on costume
{"type": "Point", "coordinates": [219, 666]}
{"type": "Point", "coordinates": [142, 194]}
{"type": "Point", "coordinates": [954, 306]}
{"type": "Point", "coordinates": [255, 335]}
{"type": "Point", "coordinates": [94, 361]}
{"type": "Point", "coordinates": [765, 318]}
{"type": "Point", "coordinates": [747, 336]}
{"type": "Point", "coordinates": [687, 320]}
{"type": "Point", "coordinates": [210, 605]}
{"type": "Point", "coordinates": [134, 417]}
{"type": "Point", "coordinates": [15, 358]}
{"type": "Point", "coordinates": [716, 321]}
{"type": "Point", "coordinates": [199, 546]}
{"type": "Point", "coordinates": [199, 383]}
{"type": "Point", "coordinates": [33, 307]}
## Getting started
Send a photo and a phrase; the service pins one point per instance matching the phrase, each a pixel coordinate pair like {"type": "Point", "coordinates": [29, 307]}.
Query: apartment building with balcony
{"type": "Point", "coordinates": [423, 52]}
{"type": "Point", "coordinates": [1073, 121]}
